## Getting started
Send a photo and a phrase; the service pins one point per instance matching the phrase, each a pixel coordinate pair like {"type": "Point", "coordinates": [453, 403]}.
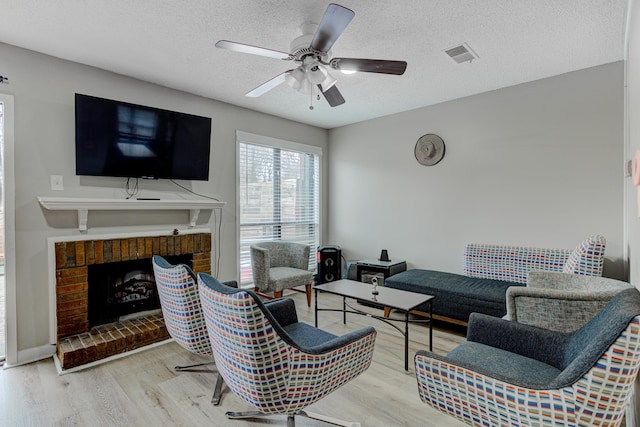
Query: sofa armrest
{"type": "Point", "coordinates": [540, 344]}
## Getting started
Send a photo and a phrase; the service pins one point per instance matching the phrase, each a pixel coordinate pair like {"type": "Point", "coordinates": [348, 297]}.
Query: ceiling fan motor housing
{"type": "Point", "coordinates": [300, 47]}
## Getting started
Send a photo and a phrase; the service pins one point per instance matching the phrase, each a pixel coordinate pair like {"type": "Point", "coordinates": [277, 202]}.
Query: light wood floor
{"type": "Point", "coordinates": [143, 389]}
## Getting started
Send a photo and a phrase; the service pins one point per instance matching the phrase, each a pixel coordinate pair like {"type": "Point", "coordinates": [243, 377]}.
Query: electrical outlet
{"type": "Point", "coordinates": [56, 182]}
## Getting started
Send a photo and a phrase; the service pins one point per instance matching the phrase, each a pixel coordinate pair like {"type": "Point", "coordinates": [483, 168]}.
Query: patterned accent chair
{"type": "Point", "coordinates": [272, 361]}
{"type": "Point", "coordinates": [507, 373]}
{"type": "Point", "coordinates": [281, 265]}
{"type": "Point", "coordinates": [559, 301]}
{"type": "Point", "coordinates": [182, 312]}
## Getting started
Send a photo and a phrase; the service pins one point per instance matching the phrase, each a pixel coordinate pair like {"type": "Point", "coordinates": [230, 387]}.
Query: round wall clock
{"type": "Point", "coordinates": [429, 149]}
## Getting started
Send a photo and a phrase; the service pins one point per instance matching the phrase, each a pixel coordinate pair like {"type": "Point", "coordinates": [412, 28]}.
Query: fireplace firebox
{"type": "Point", "coordinates": [122, 289]}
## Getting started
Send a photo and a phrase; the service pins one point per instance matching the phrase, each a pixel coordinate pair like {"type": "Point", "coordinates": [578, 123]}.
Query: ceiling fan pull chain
{"type": "Point", "coordinates": [311, 98]}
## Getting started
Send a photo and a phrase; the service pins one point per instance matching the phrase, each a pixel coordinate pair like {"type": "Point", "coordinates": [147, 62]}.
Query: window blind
{"type": "Point", "coordinates": [279, 194]}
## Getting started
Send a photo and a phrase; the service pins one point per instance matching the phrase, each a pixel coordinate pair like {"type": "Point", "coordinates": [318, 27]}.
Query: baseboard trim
{"type": "Point", "coordinates": [33, 354]}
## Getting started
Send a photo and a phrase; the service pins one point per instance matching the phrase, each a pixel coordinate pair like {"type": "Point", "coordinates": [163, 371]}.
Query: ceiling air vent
{"type": "Point", "coordinates": [461, 53]}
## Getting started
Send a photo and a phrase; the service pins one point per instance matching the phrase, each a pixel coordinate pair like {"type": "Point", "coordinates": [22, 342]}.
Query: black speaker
{"type": "Point", "coordinates": [329, 264]}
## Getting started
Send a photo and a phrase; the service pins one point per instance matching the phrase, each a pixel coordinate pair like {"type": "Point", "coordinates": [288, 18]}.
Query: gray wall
{"type": "Point", "coordinates": [632, 144]}
{"type": "Point", "coordinates": [633, 140]}
{"type": "Point", "coordinates": [43, 88]}
{"type": "Point", "coordinates": [538, 164]}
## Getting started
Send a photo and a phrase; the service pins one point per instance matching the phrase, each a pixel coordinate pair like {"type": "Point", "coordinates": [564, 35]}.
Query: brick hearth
{"type": "Point", "coordinates": [79, 345]}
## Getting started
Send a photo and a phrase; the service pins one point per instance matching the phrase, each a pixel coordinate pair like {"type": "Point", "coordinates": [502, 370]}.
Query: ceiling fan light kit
{"type": "Point", "coordinates": [312, 51]}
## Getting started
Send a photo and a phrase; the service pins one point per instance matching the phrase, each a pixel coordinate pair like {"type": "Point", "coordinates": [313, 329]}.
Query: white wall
{"type": "Point", "coordinates": [633, 138]}
{"type": "Point", "coordinates": [632, 144]}
{"type": "Point", "coordinates": [538, 164]}
{"type": "Point", "coordinates": [44, 89]}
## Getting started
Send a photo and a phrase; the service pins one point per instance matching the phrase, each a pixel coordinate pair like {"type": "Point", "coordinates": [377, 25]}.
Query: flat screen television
{"type": "Point", "coordinates": [115, 138]}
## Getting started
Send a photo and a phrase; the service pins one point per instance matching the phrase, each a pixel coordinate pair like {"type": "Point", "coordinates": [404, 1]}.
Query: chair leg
{"type": "Point", "coordinates": [277, 294]}
{"type": "Point", "coordinates": [243, 415]}
{"type": "Point", "coordinates": [387, 311]}
{"type": "Point", "coordinates": [217, 392]}
{"type": "Point", "coordinates": [291, 422]}
{"type": "Point", "coordinates": [308, 292]}
{"type": "Point", "coordinates": [189, 368]}
{"type": "Point", "coordinates": [326, 419]}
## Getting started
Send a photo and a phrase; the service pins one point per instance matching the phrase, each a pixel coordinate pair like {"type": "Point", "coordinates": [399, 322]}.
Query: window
{"type": "Point", "coordinates": [279, 195]}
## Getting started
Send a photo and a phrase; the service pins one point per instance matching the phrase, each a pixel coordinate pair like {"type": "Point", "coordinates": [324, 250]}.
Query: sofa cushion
{"type": "Point", "coordinates": [457, 296]}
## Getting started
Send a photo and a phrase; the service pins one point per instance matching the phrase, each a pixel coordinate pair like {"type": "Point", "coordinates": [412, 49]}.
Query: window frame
{"type": "Point", "coordinates": [269, 142]}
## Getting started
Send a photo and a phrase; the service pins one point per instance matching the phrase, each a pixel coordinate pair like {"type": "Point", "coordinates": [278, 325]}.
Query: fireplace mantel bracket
{"type": "Point", "coordinates": [83, 206]}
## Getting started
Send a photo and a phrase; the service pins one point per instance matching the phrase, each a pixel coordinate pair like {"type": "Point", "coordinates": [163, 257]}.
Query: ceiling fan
{"type": "Point", "coordinates": [312, 52]}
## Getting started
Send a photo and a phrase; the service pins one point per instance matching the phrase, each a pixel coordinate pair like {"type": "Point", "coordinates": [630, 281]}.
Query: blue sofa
{"type": "Point", "coordinates": [488, 271]}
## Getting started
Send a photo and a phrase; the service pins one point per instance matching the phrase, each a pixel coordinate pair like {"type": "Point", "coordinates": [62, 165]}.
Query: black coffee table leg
{"type": "Point", "coordinates": [430, 325]}
{"type": "Point", "coordinates": [316, 306]}
{"type": "Point", "coordinates": [344, 310]}
{"type": "Point", "coordinates": [406, 341]}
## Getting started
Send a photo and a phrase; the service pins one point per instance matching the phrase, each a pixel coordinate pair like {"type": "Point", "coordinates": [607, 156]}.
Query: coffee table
{"type": "Point", "coordinates": [404, 301]}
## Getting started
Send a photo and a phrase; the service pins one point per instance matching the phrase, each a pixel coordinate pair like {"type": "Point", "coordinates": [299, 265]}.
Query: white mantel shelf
{"type": "Point", "coordinates": [84, 205]}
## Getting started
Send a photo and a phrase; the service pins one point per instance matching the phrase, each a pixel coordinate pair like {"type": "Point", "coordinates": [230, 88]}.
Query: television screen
{"type": "Point", "coordinates": [116, 138]}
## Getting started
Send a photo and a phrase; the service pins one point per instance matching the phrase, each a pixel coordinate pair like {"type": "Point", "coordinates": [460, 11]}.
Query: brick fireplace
{"type": "Point", "coordinates": [76, 342]}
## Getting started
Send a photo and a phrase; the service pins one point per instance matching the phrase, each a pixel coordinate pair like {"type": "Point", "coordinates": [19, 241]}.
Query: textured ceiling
{"type": "Point", "coordinates": [171, 43]}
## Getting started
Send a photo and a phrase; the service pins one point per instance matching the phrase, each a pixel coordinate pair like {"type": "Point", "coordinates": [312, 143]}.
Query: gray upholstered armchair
{"type": "Point", "coordinates": [559, 301]}
{"type": "Point", "coordinates": [281, 265]}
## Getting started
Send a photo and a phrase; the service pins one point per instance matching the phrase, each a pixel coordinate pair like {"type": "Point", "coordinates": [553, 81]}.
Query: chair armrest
{"type": "Point", "coordinates": [298, 255]}
{"type": "Point", "coordinates": [231, 283]}
{"type": "Point", "coordinates": [260, 267]}
{"type": "Point", "coordinates": [564, 281]}
{"type": "Point", "coordinates": [555, 309]}
{"type": "Point", "coordinates": [283, 310]}
{"type": "Point", "coordinates": [536, 343]}
{"type": "Point", "coordinates": [342, 341]}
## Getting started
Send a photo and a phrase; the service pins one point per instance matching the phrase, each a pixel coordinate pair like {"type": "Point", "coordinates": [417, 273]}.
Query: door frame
{"type": "Point", "coordinates": [11, 333]}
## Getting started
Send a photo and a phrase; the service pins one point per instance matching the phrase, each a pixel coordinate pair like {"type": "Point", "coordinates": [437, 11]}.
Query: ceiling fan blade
{"type": "Point", "coordinates": [333, 96]}
{"type": "Point", "coordinates": [333, 23]}
{"type": "Point", "coordinates": [382, 66]}
{"type": "Point", "coordinates": [254, 50]}
{"type": "Point", "coordinates": [268, 85]}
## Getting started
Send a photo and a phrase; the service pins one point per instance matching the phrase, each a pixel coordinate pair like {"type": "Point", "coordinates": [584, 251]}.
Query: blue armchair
{"type": "Point", "coordinates": [272, 361]}
{"type": "Point", "coordinates": [508, 373]}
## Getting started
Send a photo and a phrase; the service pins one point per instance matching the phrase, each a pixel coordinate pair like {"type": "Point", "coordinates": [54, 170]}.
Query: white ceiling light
{"type": "Point", "coordinates": [309, 75]}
